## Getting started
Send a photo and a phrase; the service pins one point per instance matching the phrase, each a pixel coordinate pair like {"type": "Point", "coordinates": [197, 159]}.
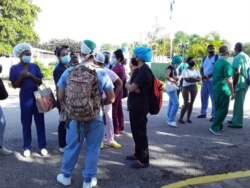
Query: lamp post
{"type": "Point", "coordinates": [183, 47]}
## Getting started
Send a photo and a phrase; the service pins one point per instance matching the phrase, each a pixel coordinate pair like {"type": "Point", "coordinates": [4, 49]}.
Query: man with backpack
{"type": "Point", "coordinates": [207, 69]}
{"type": "Point", "coordinates": [79, 91]}
{"type": "Point", "coordinates": [241, 63]}
{"type": "Point", "coordinates": [139, 89]}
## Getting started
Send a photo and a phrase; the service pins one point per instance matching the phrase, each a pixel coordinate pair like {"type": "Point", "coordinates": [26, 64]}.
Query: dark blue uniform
{"type": "Point", "coordinates": [28, 105]}
{"type": "Point", "coordinates": [60, 68]}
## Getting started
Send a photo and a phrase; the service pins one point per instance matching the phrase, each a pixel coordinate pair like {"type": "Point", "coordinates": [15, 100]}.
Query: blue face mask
{"type": "Point", "coordinates": [65, 59]}
{"type": "Point", "coordinates": [26, 59]}
{"type": "Point", "coordinates": [113, 61]}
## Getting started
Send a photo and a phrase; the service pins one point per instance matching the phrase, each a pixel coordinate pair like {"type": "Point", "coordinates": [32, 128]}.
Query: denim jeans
{"type": "Point", "coordinates": [93, 132]}
{"type": "Point", "coordinates": [173, 106]}
{"type": "Point", "coordinates": [207, 91]}
{"type": "Point", "coordinates": [2, 126]}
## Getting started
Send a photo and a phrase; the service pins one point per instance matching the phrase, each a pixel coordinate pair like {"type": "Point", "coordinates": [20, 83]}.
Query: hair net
{"type": "Point", "coordinates": [143, 53]}
{"type": "Point", "coordinates": [100, 58]}
{"type": "Point", "coordinates": [21, 47]}
{"type": "Point", "coordinates": [176, 59]}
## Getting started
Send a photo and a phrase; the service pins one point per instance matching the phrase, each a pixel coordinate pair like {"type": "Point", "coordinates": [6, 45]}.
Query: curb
{"type": "Point", "coordinates": [209, 179]}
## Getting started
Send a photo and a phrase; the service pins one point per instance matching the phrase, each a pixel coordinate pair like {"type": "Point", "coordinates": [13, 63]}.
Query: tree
{"type": "Point", "coordinates": [247, 48]}
{"type": "Point", "coordinates": [53, 43]}
{"type": "Point", "coordinates": [17, 21]}
{"type": "Point", "coordinates": [108, 47]}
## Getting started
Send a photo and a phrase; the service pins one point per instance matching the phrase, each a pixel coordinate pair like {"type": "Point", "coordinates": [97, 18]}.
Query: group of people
{"type": "Point", "coordinates": [113, 85]}
{"type": "Point", "coordinates": [107, 85]}
{"type": "Point", "coordinates": [219, 80]}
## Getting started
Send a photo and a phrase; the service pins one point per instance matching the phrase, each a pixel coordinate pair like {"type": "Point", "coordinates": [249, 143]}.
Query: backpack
{"type": "Point", "coordinates": [155, 96]}
{"type": "Point", "coordinates": [83, 99]}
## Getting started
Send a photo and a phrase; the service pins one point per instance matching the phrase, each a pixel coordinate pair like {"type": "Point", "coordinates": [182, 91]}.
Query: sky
{"type": "Point", "coordinates": [116, 21]}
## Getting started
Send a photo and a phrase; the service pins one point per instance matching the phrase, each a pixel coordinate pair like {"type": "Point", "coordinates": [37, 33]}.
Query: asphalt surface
{"type": "Point", "coordinates": [176, 154]}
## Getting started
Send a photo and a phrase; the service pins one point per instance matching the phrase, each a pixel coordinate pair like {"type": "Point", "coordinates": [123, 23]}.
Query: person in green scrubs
{"type": "Point", "coordinates": [223, 88]}
{"type": "Point", "coordinates": [240, 64]}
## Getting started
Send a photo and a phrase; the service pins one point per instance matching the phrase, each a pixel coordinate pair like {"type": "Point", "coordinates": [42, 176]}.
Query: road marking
{"type": "Point", "coordinates": [209, 179]}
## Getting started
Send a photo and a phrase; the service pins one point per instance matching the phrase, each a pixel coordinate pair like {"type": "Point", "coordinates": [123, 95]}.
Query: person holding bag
{"type": "Point", "coordinates": [27, 76]}
{"type": "Point", "coordinates": [171, 82]}
{"type": "Point", "coordinates": [4, 95]}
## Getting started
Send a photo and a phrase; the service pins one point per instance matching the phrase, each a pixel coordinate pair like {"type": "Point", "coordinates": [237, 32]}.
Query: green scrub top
{"type": "Point", "coordinates": [222, 70]}
{"type": "Point", "coordinates": [241, 61]}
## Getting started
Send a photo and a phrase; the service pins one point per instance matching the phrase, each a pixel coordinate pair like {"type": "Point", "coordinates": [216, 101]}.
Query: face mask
{"type": "Point", "coordinates": [65, 59]}
{"type": "Point", "coordinates": [113, 61]}
{"type": "Point", "coordinates": [191, 63]}
{"type": "Point", "coordinates": [175, 66]}
{"type": "Point", "coordinates": [134, 62]}
{"type": "Point", "coordinates": [211, 52]}
{"type": "Point", "coordinates": [26, 59]}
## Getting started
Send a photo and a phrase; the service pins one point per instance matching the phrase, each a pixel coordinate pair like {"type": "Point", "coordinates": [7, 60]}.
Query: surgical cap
{"type": "Point", "coordinates": [100, 58]}
{"type": "Point", "coordinates": [88, 47]}
{"type": "Point", "coordinates": [176, 59]}
{"type": "Point", "coordinates": [143, 53]}
{"type": "Point", "coordinates": [21, 47]}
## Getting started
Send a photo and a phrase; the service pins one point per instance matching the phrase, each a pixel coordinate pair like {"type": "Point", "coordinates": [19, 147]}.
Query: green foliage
{"type": "Point", "coordinates": [53, 43]}
{"type": "Point", "coordinates": [47, 71]}
{"type": "Point", "coordinates": [108, 47]}
{"type": "Point", "coordinates": [247, 48]}
{"type": "Point", "coordinates": [17, 20]}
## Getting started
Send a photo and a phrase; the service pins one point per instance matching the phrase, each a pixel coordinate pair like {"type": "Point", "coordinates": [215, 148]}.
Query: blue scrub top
{"type": "Point", "coordinates": [27, 83]}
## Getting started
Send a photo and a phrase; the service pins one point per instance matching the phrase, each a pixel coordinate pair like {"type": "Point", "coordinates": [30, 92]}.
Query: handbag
{"type": "Point", "coordinates": [171, 87]}
{"type": "Point", "coordinates": [3, 92]}
{"type": "Point", "coordinates": [45, 99]}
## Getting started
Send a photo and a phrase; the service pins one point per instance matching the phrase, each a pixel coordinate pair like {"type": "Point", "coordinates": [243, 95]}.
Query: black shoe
{"type": "Point", "coordinates": [138, 165]}
{"type": "Point", "coordinates": [229, 122]}
{"type": "Point", "coordinates": [131, 158]}
{"type": "Point", "coordinates": [235, 126]}
{"type": "Point", "coordinates": [212, 119]}
{"type": "Point", "coordinates": [202, 116]}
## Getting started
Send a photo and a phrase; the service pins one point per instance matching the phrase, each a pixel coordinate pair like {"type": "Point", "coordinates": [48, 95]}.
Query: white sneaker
{"type": "Point", "coordinates": [61, 150]}
{"type": "Point", "coordinates": [94, 182]}
{"type": "Point", "coordinates": [26, 153]}
{"type": "Point", "coordinates": [44, 152]}
{"type": "Point", "coordinates": [172, 124]}
{"type": "Point", "coordinates": [63, 180]}
{"type": "Point", "coordinates": [91, 184]}
{"type": "Point", "coordinates": [5, 151]}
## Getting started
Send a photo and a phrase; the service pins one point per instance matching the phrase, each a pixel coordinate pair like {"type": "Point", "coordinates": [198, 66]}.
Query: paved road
{"type": "Point", "coordinates": [175, 153]}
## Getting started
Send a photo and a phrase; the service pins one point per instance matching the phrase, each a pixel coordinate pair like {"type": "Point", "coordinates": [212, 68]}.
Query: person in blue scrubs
{"type": "Point", "coordinates": [27, 76]}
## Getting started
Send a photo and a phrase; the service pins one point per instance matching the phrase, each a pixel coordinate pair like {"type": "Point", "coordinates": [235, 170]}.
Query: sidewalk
{"type": "Point", "coordinates": [240, 179]}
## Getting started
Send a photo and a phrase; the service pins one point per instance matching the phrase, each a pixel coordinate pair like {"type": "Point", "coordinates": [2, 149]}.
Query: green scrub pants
{"type": "Point", "coordinates": [221, 108]}
{"type": "Point", "coordinates": [238, 111]}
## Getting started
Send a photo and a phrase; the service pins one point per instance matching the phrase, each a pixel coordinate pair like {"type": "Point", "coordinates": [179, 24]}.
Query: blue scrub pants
{"type": "Point", "coordinates": [93, 132]}
{"type": "Point", "coordinates": [206, 92]}
{"type": "Point", "coordinates": [28, 109]}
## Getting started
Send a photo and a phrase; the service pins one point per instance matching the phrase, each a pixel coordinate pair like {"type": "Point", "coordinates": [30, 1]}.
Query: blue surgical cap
{"type": "Point", "coordinates": [143, 53]}
{"type": "Point", "coordinates": [176, 59]}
